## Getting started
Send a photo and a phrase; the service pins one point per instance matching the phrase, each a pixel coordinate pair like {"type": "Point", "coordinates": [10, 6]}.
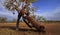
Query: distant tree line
{"type": "Point", "coordinates": [38, 18]}
{"type": "Point", "coordinates": [3, 19]}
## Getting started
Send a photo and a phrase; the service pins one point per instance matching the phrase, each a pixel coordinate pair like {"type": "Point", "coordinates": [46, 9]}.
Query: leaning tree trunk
{"type": "Point", "coordinates": [34, 23]}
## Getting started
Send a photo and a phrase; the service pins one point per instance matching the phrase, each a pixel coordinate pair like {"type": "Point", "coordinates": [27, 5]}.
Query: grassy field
{"type": "Point", "coordinates": [51, 29]}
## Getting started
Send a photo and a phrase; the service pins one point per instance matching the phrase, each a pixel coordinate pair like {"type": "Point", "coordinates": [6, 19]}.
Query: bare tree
{"type": "Point", "coordinates": [41, 18]}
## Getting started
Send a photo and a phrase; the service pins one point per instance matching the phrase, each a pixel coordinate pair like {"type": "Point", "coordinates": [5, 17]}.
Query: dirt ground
{"type": "Point", "coordinates": [51, 29]}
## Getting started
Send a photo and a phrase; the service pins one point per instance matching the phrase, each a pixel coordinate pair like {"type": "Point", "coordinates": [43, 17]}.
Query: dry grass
{"type": "Point", "coordinates": [51, 29]}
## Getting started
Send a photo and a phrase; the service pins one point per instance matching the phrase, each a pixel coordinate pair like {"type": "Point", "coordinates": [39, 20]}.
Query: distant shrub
{"type": "Point", "coordinates": [3, 19]}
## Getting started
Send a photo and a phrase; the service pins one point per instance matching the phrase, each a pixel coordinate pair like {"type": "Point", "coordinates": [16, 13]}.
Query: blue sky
{"type": "Point", "coordinates": [47, 8]}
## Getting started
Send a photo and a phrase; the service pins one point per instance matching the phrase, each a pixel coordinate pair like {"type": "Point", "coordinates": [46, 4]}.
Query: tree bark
{"type": "Point", "coordinates": [18, 18]}
{"type": "Point", "coordinates": [27, 22]}
{"type": "Point", "coordinates": [34, 23]}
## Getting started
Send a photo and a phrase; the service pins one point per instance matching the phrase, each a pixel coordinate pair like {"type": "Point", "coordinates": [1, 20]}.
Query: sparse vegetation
{"type": "Point", "coordinates": [41, 18]}
{"type": "Point", "coordinates": [3, 20]}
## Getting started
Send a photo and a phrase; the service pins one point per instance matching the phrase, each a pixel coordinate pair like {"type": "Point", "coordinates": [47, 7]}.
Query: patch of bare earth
{"type": "Point", "coordinates": [51, 29]}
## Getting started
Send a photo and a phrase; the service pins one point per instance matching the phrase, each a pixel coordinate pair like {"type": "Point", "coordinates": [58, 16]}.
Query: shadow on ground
{"type": "Point", "coordinates": [20, 29]}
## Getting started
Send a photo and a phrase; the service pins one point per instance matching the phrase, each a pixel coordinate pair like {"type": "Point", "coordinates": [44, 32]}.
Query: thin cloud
{"type": "Point", "coordinates": [38, 10]}
{"type": "Point", "coordinates": [51, 15]}
{"type": "Point", "coordinates": [54, 15]}
{"type": "Point", "coordinates": [6, 13]}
